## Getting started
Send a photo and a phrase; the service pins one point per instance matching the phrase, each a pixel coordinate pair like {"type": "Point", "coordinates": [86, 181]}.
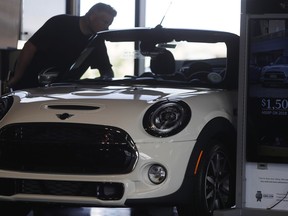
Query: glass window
{"type": "Point", "coordinates": [223, 15]}
{"type": "Point", "coordinates": [36, 13]}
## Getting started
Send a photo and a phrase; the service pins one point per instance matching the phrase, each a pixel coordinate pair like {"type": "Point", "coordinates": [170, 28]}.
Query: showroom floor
{"type": "Point", "coordinates": [101, 212]}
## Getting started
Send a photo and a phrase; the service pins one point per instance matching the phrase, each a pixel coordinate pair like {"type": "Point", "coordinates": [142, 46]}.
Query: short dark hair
{"type": "Point", "coordinates": [102, 7]}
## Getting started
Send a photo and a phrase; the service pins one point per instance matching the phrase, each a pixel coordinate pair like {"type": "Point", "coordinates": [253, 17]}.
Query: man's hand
{"type": "Point", "coordinates": [6, 88]}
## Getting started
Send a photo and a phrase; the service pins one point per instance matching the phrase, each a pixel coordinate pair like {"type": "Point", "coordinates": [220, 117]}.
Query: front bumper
{"type": "Point", "coordinates": [45, 182]}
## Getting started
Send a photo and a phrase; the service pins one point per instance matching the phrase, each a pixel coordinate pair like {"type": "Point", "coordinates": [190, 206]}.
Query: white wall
{"type": "Point", "coordinates": [37, 12]}
{"type": "Point", "coordinates": [9, 23]}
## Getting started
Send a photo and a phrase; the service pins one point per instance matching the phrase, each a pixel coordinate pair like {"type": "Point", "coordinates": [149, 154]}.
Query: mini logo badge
{"type": "Point", "coordinates": [64, 116]}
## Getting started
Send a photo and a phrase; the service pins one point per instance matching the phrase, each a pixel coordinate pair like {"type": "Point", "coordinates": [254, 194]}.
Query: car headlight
{"type": "Point", "coordinates": [166, 118]}
{"type": "Point", "coordinates": [5, 104]}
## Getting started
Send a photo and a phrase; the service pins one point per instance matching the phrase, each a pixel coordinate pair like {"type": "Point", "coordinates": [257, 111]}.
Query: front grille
{"type": "Point", "coordinates": [66, 148]}
{"type": "Point", "coordinates": [275, 75]}
{"type": "Point", "coordinates": [100, 190]}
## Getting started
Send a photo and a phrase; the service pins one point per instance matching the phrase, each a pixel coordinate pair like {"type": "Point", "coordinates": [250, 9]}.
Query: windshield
{"type": "Point", "coordinates": [281, 60]}
{"type": "Point", "coordinates": [155, 61]}
{"type": "Point", "coordinates": [177, 57]}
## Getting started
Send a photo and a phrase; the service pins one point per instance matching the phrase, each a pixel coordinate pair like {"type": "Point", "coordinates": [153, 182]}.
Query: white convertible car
{"type": "Point", "coordinates": [160, 132]}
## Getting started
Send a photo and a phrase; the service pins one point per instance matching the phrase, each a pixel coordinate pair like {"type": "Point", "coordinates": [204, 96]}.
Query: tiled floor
{"type": "Point", "coordinates": [102, 212]}
{"type": "Point", "coordinates": [82, 212]}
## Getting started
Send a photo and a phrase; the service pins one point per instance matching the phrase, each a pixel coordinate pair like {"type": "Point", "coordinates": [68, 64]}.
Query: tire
{"type": "Point", "coordinates": [213, 186]}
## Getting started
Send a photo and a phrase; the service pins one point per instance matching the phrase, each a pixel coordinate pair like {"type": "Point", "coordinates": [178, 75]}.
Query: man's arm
{"type": "Point", "coordinates": [25, 57]}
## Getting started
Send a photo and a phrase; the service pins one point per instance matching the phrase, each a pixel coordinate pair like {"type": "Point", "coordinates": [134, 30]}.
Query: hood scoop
{"type": "Point", "coordinates": [73, 107]}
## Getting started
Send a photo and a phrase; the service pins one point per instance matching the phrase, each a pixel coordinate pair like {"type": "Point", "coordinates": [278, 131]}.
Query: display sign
{"type": "Point", "coordinates": [266, 6]}
{"type": "Point", "coordinates": [267, 90]}
{"type": "Point", "coordinates": [267, 186]}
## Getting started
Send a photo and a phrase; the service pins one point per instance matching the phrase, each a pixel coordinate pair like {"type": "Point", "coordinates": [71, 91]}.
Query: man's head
{"type": "Point", "coordinates": [100, 17]}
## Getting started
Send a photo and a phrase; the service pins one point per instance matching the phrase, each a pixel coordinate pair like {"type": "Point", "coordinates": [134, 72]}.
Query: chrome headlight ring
{"type": "Point", "coordinates": [166, 118]}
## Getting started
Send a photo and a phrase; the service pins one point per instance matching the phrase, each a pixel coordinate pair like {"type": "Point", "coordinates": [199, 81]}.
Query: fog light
{"type": "Point", "coordinates": [157, 173]}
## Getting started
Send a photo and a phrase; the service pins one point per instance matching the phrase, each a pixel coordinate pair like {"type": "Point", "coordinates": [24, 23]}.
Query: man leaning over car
{"type": "Point", "coordinates": [59, 42]}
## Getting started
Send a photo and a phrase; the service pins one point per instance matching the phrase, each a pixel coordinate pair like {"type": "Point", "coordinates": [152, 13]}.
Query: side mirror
{"type": "Point", "coordinates": [48, 76]}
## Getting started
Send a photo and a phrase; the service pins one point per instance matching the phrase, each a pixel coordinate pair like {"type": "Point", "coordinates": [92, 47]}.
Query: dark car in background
{"type": "Point", "coordinates": [275, 74]}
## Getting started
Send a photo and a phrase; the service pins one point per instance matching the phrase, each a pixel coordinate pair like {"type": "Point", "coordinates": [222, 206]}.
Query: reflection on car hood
{"type": "Point", "coordinates": [106, 93]}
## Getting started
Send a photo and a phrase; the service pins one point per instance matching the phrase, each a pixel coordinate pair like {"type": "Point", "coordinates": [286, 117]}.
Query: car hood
{"type": "Point", "coordinates": [279, 67]}
{"type": "Point", "coordinates": [117, 106]}
{"type": "Point", "coordinates": [147, 94]}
